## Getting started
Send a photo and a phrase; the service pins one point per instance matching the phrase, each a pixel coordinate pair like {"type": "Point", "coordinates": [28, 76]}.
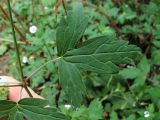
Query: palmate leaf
{"type": "Point", "coordinates": [102, 55]}
{"type": "Point", "coordinates": [31, 109]}
{"type": "Point", "coordinates": [71, 29]}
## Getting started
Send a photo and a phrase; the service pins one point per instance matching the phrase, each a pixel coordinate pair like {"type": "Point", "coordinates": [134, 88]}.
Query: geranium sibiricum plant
{"type": "Point", "coordinates": [102, 55]}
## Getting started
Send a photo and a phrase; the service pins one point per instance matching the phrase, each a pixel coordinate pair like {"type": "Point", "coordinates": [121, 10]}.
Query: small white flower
{"type": "Point", "coordinates": [25, 59]}
{"type": "Point", "coordinates": [126, 6]}
{"type": "Point", "coordinates": [67, 106]}
{"type": "Point", "coordinates": [33, 29]}
{"type": "Point", "coordinates": [2, 80]}
{"type": "Point", "coordinates": [46, 8]}
{"type": "Point", "coordinates": [129, 66]}
{"type": "Point", "coordinates": [134, 104]}
{"type": "Point", "coordinates": [146, 114]}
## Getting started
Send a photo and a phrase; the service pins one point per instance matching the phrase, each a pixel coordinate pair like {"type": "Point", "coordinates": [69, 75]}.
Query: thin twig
{"type": "Point", "coordinates": [38, 69]}
{"type": "Point", "coordinates": [147, 50]}
{"type": "Point", "coordinates": [20, 22]}
{"type": "Point", "coordinates": [55, 9]}
{"type": "Point", "coordinates": [57, 96]}
{"type": "Point", "coordinates": [11, 85]}
{"type": "Point", "coordinates": [64, 7]}
{"type": "Point", "coordinates": [17, 30]}
{"type": "Point", "coordinates": [17, 50]}
{"type": "Point", "coordinates": [131, 91]}
{"type": "Point", "coordinates": [10, 41]}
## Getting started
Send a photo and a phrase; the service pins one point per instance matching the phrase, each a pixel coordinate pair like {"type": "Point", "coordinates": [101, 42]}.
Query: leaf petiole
{"type": "Point", "coordinates": [42, 66]}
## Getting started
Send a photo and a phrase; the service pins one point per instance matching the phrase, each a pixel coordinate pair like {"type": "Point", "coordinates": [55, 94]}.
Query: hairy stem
{"type": "Point", "coordinates": [11, 85]}
{"type": "Point", "coordinates": [17, 50]}
{"type": "Point", "coordinates": [38, 69]}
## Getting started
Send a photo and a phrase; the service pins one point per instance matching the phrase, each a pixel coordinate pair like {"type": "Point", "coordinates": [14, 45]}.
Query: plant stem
{"type": "Point", "coordinates": [10, 41]}
{"type": "Point", "coordinates": [38, 69]}
{"type": "Point", "coordinates": [17, 50]}
{"type": "Point", "coordinates": [64, 7]}
{"type": "Point", "coordinates": [10, 86]}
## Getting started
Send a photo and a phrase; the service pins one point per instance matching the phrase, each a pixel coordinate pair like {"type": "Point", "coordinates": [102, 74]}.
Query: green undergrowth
{"type": "Point", "coordinates": [106, 58]}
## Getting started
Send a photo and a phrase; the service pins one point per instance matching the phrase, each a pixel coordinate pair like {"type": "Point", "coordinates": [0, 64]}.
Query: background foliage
{"type": "Point", "coordinates": [126, 93]}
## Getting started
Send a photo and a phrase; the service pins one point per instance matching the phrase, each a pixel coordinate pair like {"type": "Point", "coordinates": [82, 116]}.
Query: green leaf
{"type": "Point", "coordinates": [71, 82]}
{"type": "Point", "coordinates": [139, 81]}
{"type": "Point", "coordinates": [102, 55]}
{"type": "Point", "coordinates": [114, 116]}
{"type": "Point", "coordinates": [7, 107]}
{"type": "Point", "coordinates": [34, 102]}
{"type": "Point", "coordinates": [131, 117]}
{"type": "Point", "coordinates": [80, 114]}
{"type": "Point", "coordinates": [99, 55]}
{"type": "Point", "coordinates": [144, 65]}
{"type": "Point", "coordinates": [71, 29]}
{"type": "Point", "coordinates": [144, 68]}
{"type": "Point", "coordinates": [47, 2]}
{"type": "Point", "coordinates": [95, 110]}
{"type": "Point", "coordinates": [138, 73]}
{"type": "Point", "coordinates": [17, 116]}
{"type": "Point", "coordinates": [156, 43]}
{"type": "Point", "coordinates": [154, 95]}
{"type": "Point", "coordinates": [130, 72]}
{"type": "Point", "coordinates": [156, 57]}
{"type": "Point", "coordinates": [31, 109]}
{"type": "Point", "coordinates": [150, 108]}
